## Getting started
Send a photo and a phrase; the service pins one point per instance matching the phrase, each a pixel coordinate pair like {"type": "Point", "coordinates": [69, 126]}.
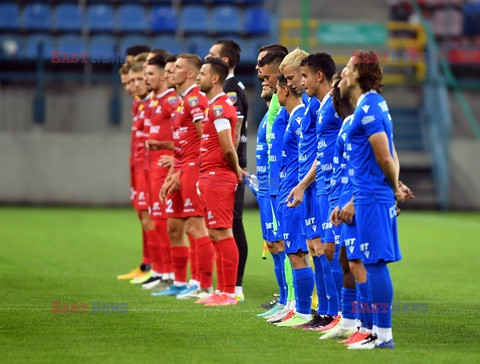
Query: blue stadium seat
{"type": "Point", "coordinates": [71, 44]}
{"type": "Point", "coordinates": [169, 43]}
{"type": "Point", "coordinates": [30, 50]}
{"type": "Point", "coordinates": [226, 19]}
{"type": "Point", "coordinates": [37, 17]}
{"type": "Point", "coordinates": [102, 46]}
{"type": "Point", "coordinates": [199, 45]}
{"type": "Point", "coordinates": [194, 19]}
{"type": "Point", "coordinates": [163, 19]}
{"type": "Point", "coordinates": [10, 46]}
{"type": "Point", "coordinates": [131, 18]}
{"type": "Point", "coordinates": [132, 40]}
{"type": "Point", "coordinates": [9, 16]}
{"type": "Point", "coordinates": [68, 17]}
{"type": "Point", "coordinates": [100, 18]}
{"type": "Point", "coordinates": [257, 20]}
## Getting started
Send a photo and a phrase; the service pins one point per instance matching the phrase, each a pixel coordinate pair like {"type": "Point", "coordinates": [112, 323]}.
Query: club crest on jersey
{"type": "Point", "coordinates": [218, 110]}
{"type": "Point", "coordinates": [193, 101]}
{"type": "Point", "coordinates": [171, 100]}
{"type": "Point", "coordinates": [232, 96]}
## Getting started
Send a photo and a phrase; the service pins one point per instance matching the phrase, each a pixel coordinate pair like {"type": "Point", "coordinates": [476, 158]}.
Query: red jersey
{"type": "Point", "coordinates": [143, 122]}
{"type": "Point", "coordinates": [185, 137]}
{"type": "Point", "coordinates": [220, 115]}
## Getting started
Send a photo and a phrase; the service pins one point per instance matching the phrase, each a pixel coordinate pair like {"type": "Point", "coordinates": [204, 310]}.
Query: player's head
{"type": "Point", "coordinates": [290, 67]}
{"type": "Point", "coordinates": [365, 70]}
{"type": "Point", "coordinates": [154, 73]}
{"type": "Point", "coordinates": [186, 69]}
{"type": "Point", "coordinates": [228, 50]}
{"type": "Point", "coordinates": [341, 100]}
{"type": "Point", "coordinates": [168, 74]}
{"type": "Point", "coordinates": [212, 75]}
{"type": "Point", "coordinates": [317, 69]}
{"type": "Point", "coordinates": [141, 58]}
{"type": "Point", "coordinates": [137, 82]}
{"type": "Point", "coordinates": [262, 52]}
{"type": "Point", "coordinates": [124, 77]}
{"type": "Point", "coordinates": [269, 66]}
{"type": "Point", "coordinates": [131, 52]}
{"type": "Point", "coordinates": [156, 52]}
{"type": "Point", "coordinates": [284, 91]}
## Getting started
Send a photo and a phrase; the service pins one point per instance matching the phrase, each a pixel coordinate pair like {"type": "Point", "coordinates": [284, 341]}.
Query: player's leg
{"type": "Point", "coordinates": [240, 240]}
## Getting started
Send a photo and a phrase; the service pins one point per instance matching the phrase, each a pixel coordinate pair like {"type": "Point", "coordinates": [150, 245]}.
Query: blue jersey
{"type": "Point", "coordinates": [261, 157]}
{"type": "Point", "coordinates": [289, 168]}
{"type": "Point", "coordinates": [308, 139]}
{"type": "Point", "coordinates": [275, 149]}
{"type": "Point", "coordinates": [328, 126]}
{"type": "Point", "coordinates": [371, 116]}
{"type": "Point", "coordinates": [341, 191]}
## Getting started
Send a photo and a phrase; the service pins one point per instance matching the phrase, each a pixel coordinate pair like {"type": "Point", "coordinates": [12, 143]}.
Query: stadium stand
{"type": "Point", "coordinates": [226, 19]}
{"type": "Point", "coordinates": [131, 18]}
{"type": "Point", "coordinates": [163, 19]}
{"type": "Point", "coordinates": [194, 19]}
{"type": "Point", "coordinates": [257, 20]}
{"type": "Point", "coordinates": [71, 44]}
{"type": "Point", "coordinates": [100, 18]}
{"type": "Point", "coordinates": [31, 47]}
{"type": "Point", "coordinates": [68, 17]}
{"type": "Point", "coordinates": [9, 16]}
{"type": "Point", "coordinates": [37, 17]}
{"type": "Point", "coordinates": [102, 46]}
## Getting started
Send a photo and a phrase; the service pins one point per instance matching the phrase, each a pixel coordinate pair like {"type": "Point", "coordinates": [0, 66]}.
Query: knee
{"type": "Point", "coordinates": [329, 250]}
{"type": "Point", "coordinates": [342, 258]}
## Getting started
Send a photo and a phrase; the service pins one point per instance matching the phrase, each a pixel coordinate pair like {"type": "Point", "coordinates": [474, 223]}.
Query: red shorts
{"type": "Point", "coordinates": [186, 201]}
{"type": "Point", "coordinates": [157, 177]}
{"type": "Point", "coordinates": [141, 192]}
{"type": "Point", "coordinates": [218, 191]}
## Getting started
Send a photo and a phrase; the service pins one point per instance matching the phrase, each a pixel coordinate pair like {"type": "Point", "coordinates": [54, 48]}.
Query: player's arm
{"type": "Point", "coordinates": [224, 131]}
{"type": "Point", "coordinates": [347, 212]}
{"type": "Point", "coordinates": [295, 196]}
{"type": "Point", "coordinates": [379, 144]}
{"type": "Point", "coordinates": [159, 144]}
{"type": "Point", "coordinates": [238, 131]}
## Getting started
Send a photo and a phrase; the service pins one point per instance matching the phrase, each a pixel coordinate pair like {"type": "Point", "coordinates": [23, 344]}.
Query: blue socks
{"type": "Point", "coordinates": [331, 291]}
{"type": "Point", "coordinates": [349, 295]}
{"type": "Point", "coordinates": [320, 284]}
{"type": "Point", "coordinates": [278, 268]}
{"type": "Point", "coordinates": [382, 293]}
{"type": "Point", "coordinates": [337, 272]}
{"type": "Point", "coordinates": [304, 282]}
{"type": "Point", "coordinates": [365, 309]}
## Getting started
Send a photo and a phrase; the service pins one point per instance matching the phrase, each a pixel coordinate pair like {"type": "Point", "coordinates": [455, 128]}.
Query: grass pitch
{"type": "Point", "coordinates": [74, 254]}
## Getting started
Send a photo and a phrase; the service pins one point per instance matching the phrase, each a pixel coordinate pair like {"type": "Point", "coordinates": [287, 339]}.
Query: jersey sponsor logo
{"type": "Point", "coordinates": [232, 96]}
{"type": "Point", "coordinates": [261, 169]}
{"type": "Point", "coordinates": [365, 108]}
{"type": "Point", "coordinates": [364, 249]}
{"type": "Point", "coordinates": [218, 110]}
{"type": "Point", "coordinates": [310, 221]}
{"type": "Point", "coordinates": [210, 215]}
{"type": "Point", "coordinates": [158, 110]}
{"type": "Point", "coordinates": [368, 119]}
{"type": "Point", "coordinates": [187, 203]}
{"type": "Point", "coordinates": [193, 101]}
{"type": "Point", "coordinates": [383, 106]}
{"type": "Point", "coordinates": [154, 129]}
{"type": "Point", "coordinates": [283, 174]}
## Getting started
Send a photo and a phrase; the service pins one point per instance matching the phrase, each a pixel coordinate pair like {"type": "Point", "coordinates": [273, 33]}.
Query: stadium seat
{"type": "Point", "coordinates": [194, 19]}
{"type": "Point", "coordinates": [71, 44]}
{"type": "Point", "coordinates": [37, 17]}
{"type": "Point", "coordinates": [102, 46]}
{"type": "Point", "coordinates": [226, 19]}
{"type": "Point", "coordinates": [131, 18]}
{"type": "Point", "coordinates": [257, 20]}
{"type": "Point", "coordinates": [100, 18]}
{"type": "Point", "coordinates": [163, 19]}
{"type": "Point", "coordinates": [169, 43]}
{"type": "Point", "coordinates": [132, 40]}
{"type": "Point", "coordinates": [30, 50]}
{"type": "Point", "coordinates": [68, 17]}
{"type": "Point", "coordinates": [10, 46]}
{"type": "Point", "coordinates": [9, 16]}
{"type": "Point", "coordinates": [199, 45]}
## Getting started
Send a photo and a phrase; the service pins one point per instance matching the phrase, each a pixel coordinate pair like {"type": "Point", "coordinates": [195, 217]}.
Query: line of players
{"type": "Point", "coordinates": [186, 175]}
{"type": "Point", "coordinates": [328, 183]}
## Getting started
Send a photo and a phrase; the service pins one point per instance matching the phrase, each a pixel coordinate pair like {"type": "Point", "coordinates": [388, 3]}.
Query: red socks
{"type": "Point", "coordinates": [180, 262]}
{"type": "Point", "coordinates": [228, 263]}
{"type": "Point", "coordinates": [205, 257]}
{"type": "Point", "coordinates": [161, 227]}
{"type": "Point", "coordinates": [193, 258]}
{"type": "Point", "coordinates": [153, 243]}
{"type": "Point", "coordinates": [145, 254]}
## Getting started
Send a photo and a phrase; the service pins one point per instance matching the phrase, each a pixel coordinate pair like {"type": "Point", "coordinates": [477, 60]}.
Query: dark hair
{"type": "Point", "coordinates": [282, 80]}
{"type": "Point", "coordinates": [137, 49]}
{"type": "Point", "coordinates": [158, 61]}
{"type": "Point", "coordinates": [342, 105]}
{"type": "Point", "coordinates": [369, 69]}
{"type": "Point", "coordinates": [161, 52]}
{"type": "Point", "coordinates": [231, 50]}
{"type": "Point", "coordinates": [272, 57]}
{"type": "Point", "coordinates": [171, 58]}
{"type": "Point", "coordinates": [322, 62]}
{"type": "Point", "coordinates": [219, 67]}
{"type": "Point", "coordinates": [273, 47]}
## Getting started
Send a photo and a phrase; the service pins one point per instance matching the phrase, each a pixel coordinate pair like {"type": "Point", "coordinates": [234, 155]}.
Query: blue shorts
{"type": "Point", "coordinates": [377, 232]}
{"type": "Point", "coordinates": [349, 239]}
{"type": "Point", "coordinates": [268, 219]}
{"type": "Point", "coordinates": [330, 233]}
{"type": "Point", "coordinates": [311, 226]}
{"type": "Point", "coordinates": [292, 229]}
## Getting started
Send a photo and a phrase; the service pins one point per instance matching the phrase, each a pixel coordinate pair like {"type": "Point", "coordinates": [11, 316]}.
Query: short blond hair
{"type": "Point", "coordinates": [293, 59]}
{"type": "Point", "coordinates": [142, 57]}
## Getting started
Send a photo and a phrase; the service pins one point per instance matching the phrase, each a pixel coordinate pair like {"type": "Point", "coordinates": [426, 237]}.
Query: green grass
{"type": "Point", "coordinates": [74, 255]}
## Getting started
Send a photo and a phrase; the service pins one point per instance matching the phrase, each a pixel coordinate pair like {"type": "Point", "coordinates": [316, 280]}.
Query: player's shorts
{"type": "Point", "coordinates": [141, 188]}
{"type": "Point", "coordinates": [156, 208]}
{"type": "Point", "coordinates": [268, 219]}
{"type": "Point", "coordinates": [323, 214]}
{"type": "Point", "coordinates": [186, 201]}
{"type": "Point", "coordinates": [377, 232]}
{"type": "Point", "coordinates": [217, 189]}
{"type": "Point", "coordinates": [293, 237]}
{"type": "Point", "coordinates": [349, 239]}
{"type": "Point", "coordinates": [311, 227]}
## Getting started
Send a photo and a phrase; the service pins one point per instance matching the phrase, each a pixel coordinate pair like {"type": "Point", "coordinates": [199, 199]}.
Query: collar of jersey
{"type": "Point", "coordinates": [362, 96]}
{"type": "Point", "coordinates": [159, 96]}
{"type": "Point", "coordinates": [215, 97]}
{"type": "Point", "coordinates": [295, 109]}
{"type": "Point", "coordinates": [230, 75]}
{"type": "Point", "coordinates": [184, 93]}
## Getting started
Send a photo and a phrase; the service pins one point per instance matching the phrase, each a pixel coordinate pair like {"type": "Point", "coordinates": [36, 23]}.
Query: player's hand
{"type": "Point", "coordinates": [165, 161]}
{"type": "Point", "coordinates": [240, 174]}
{"type": "Point", "coordinates": [152, 144]}
{"type": "Point", "coordinates": [335, 216]}
{"type": "Point", "coordinates": [407, 191]}
{"type": "Point", "coordinates": [347, 212]}
{"type": "Point", "coordinates": [171, 184]}
{"type": "Point", "coordinates": [295, 197]}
